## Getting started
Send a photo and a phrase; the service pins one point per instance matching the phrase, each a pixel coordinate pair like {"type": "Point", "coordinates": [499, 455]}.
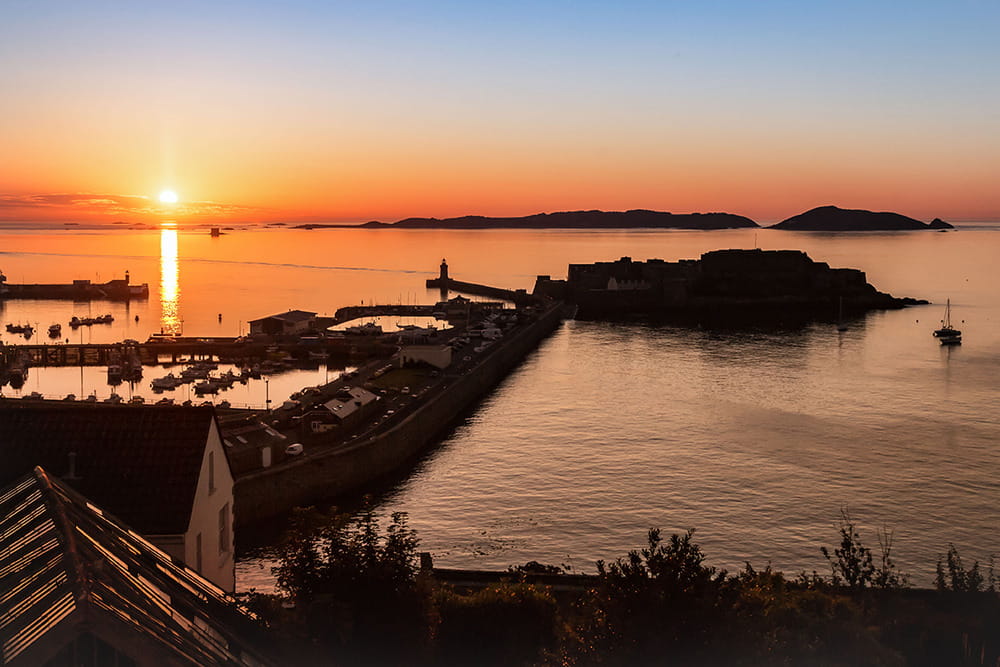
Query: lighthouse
{"type": "Point", "coordinates": [444, 272]}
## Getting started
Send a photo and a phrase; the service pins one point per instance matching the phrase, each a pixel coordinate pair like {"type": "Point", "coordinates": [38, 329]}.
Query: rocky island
{"type": "Point", "coordinates": [772, 286]}
{"type": "Point", "coordinates": [634, 219]}
{"type": "Point", "coordinates": [834, 219]}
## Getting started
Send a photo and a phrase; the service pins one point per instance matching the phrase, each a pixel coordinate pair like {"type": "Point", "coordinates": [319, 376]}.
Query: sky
{"type": "Point", "coordinates": [354, 111]}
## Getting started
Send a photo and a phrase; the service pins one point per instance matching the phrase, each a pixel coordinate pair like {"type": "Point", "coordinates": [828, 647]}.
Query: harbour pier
{"type": "Point", "coordinates": [180, 350]}
{"type": "Point", "coordinates": [79, 290]}
{"type": "Point", "coordinates": [445, 283]}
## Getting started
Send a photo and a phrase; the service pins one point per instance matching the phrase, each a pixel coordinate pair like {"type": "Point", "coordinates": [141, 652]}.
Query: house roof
{"type": "Point", "coordinates": [291, 316]}
{"type": "Point", "coordinates": [343, 408]}
{"type": "Point", "coordinates": [67, 568]}
{"type": "Point", "coordinates": [251, 433]}
{"type": "Point", "coordinates": [142, 463]}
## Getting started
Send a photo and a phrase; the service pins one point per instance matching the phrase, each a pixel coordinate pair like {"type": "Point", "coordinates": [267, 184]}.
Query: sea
{"type": "Point", "coordinates": [757, 439]}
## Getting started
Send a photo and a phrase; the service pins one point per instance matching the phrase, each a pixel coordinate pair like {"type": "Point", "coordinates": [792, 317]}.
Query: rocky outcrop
{"type": "Point", "coordinates": [766, 285]}
{"type": "Point", "coordinates": [833, 219]}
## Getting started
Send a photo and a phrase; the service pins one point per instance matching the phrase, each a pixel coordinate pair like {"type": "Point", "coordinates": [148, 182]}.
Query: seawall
{"type": "Point", "coordinates": [325, 475]}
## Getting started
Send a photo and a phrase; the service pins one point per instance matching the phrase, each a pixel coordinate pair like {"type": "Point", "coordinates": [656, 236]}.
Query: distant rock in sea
{"type": "Point", "coordinates": [635, 219]}
{"type": "Point", "coordinates": [833, 219]}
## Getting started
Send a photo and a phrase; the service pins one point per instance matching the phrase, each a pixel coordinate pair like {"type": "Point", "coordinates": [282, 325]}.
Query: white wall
{"type": "Point", "coordinates": [217, 565]}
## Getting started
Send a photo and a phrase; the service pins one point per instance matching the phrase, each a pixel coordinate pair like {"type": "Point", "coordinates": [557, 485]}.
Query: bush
{"type": "Point", "coordinates": [503, 624]}
{"type": "Point", "coordinates": [854, 565]}
{"type": "Point", "coordinates": [353, 586]}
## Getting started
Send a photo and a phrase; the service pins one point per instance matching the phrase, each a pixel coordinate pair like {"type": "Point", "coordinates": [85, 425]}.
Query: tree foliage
{"type": "Point", "coordinates": [354, 586]}
{"type": "Point", "coordinates": [953, 576]}
{"type": "Point", "coordinates": [853, 564]}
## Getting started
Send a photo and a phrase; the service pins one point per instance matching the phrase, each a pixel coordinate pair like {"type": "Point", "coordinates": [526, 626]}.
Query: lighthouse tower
{"type": "Point", "coordinates": [444, 272]}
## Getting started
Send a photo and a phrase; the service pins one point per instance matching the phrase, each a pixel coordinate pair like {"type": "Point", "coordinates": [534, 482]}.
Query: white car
{"type": "Point", "coordinates": [294, 449]}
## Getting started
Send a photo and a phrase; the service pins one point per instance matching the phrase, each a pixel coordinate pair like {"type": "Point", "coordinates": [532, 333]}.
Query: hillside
{"type": "Point", "coordinates": [581, 220]}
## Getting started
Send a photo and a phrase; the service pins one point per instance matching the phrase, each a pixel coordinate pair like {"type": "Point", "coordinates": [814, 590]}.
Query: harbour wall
{"type": "Point", "coordinates": [116, 290]}
{"type": "Point", "coordinates": [324, 475]}
{"type": "Point", "coordinates": [517, 296]}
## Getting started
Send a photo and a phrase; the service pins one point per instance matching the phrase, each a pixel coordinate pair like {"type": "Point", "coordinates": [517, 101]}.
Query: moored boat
{"type": "Point", "coordinates": [947, 334]}
{"type": "Point", "coordinates": [206, 387]}
{"type": "Point", "coordinates": [166, 383]}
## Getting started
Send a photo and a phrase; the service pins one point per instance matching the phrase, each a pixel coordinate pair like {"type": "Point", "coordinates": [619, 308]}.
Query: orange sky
{"type": "Point", "coordinates": [337, 114]}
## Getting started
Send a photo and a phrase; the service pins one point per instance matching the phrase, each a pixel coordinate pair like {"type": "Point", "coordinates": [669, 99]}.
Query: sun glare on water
{"type": "Point", "coordinates": [168, 197]}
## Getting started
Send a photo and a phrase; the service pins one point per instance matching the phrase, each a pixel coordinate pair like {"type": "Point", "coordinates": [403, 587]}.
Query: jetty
{"type": "Point", "coordinates": [183, 350]}
{"type": "Point", "coordinates": [78, 290]}
{"type": "Point", "coordinates": [385, 425]}
{"type": "Point", "coordinates": [446, 283]}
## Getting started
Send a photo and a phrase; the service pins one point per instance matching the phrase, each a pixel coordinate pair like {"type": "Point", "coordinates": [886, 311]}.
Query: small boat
{"type": "Point", "coordinates": [368, 329]}
{"type": "Point", "coordinates": [206, 387]}
{"type": "Point", "coordinates": [114, 374]}
{"type": "Point", "coordinates": [136, 400]}
{"type": "Point", "coordinates": [947, 334]}
{"type": "Point", "coordinates": [70, 397]}
{"type": "Point", "coordinates": [165, 401]}
{"type": "Point", "coordinates": [196, 372]}
{"type": "Point", "coordinates": [166, 383]}
{"type": "Point", "coordinates": [33, 396]}
{"type": "Point", "coordinates": [114, 399]}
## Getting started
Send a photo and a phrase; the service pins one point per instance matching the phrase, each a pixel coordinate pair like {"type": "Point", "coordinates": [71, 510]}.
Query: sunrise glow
{"type": "Point", "coordinates": [515, 109]}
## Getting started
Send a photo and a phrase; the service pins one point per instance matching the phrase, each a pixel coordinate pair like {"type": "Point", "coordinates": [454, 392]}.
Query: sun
{"type": "Point", "coordinates": [168, 197]}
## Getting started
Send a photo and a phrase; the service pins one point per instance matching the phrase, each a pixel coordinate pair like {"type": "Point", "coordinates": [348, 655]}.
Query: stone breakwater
{"type": "Point", "coordinates": [335, 473]}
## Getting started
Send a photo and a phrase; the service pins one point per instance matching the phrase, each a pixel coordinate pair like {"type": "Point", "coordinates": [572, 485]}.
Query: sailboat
{"type": "Point", "coordinates": [947, 334]}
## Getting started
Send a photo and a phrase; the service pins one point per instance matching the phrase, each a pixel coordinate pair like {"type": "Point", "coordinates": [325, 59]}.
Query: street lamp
{"type": "Point", "coordinates": [267, 396]}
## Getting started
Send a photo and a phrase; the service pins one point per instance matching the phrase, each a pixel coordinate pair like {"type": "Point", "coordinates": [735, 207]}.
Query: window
{"type": "Point", "coordinates": [224, 529]}
{"type": "Point", "coordinates": [211, 473]}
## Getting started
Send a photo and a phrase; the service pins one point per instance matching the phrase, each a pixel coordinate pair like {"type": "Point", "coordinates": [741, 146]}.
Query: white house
{"type": "Point", "coordinates": [438, 356]}
{"type": "Point", "coordinates": [161, 470]}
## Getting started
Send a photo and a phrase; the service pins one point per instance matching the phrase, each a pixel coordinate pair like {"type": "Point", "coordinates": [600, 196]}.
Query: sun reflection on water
{"type": "Point", "coordinates": [170, 321]}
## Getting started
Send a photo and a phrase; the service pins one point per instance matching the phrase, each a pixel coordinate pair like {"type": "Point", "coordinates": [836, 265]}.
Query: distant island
{"type": "Point", "coordinates": [833, 219]}
{"type": "Point", "coordinates": [635, 219]}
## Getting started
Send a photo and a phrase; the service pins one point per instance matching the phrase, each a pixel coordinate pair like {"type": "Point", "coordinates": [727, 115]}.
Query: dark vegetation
{"type": "Point", "coordinates": [353, 594]}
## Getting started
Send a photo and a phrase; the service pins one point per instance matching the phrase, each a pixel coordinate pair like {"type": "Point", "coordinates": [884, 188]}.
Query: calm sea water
{"type": "Point", "coordinates": [756, 439]}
